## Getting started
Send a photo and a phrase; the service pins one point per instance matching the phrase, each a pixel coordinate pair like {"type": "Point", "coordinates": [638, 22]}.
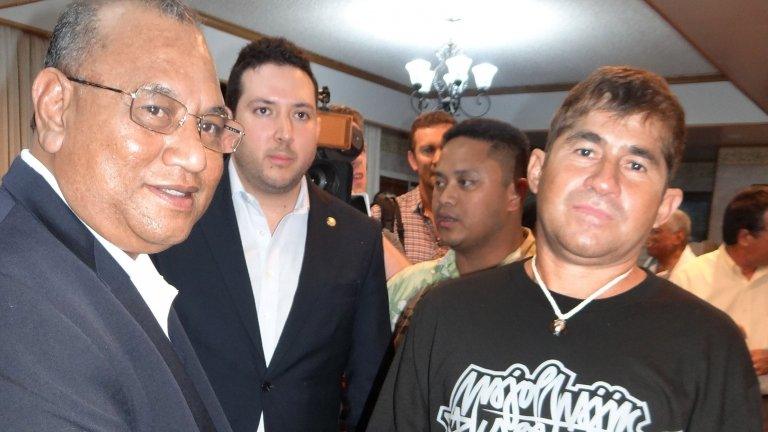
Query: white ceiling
{"type": "Point", "coordinates": [534, 42]}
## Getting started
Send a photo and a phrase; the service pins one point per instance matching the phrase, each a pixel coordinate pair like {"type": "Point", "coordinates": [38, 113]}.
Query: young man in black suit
{"type": "Point", "coordinates": [281, 285]}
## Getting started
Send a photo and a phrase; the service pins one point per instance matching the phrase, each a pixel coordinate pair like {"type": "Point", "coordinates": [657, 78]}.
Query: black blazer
{"type": "Point", "coordinates": [337, 324]}
{"type": "Point", "coordinates": [79, 348]}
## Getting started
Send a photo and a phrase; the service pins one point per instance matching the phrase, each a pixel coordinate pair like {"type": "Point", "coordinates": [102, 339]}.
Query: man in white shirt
{"type": "Point", "coordinates": [668, 247]}
{"type": "Point", "coordinates": [281, 285]}
{"type": "Point", "coordinates": [735, 276]}
{"type": "Point", "coordinates": [124, 162]}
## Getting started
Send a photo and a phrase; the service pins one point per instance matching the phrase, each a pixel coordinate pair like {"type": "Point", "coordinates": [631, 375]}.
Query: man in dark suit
{"type": "Point", "coordinates": [89, 340]}
{"type": "Point", "coordinates": [281, 286]}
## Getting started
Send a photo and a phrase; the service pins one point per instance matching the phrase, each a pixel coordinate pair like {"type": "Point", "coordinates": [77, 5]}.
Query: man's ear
{"type": "Point", "coordinates": [516, 192]}
{"type": "Point", "coordinates": [412, 161]}
{"type": "Point", "coordinates": [535, 166]}
{"type": "Point", "coordinates": [669, 203]}
{"type": "Point", "coordinates": [681, 237]}
{"type": "Point", "coordinates": [51, 97]}
{"type": "Point", "coordinates": [744, 237]}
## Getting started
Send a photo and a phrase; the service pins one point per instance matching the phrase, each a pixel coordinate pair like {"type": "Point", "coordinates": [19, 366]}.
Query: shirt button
{"type": "Point", "coordinates": [266, 386]}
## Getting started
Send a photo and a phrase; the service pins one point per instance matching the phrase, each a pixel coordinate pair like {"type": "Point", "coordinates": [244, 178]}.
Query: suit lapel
{"type": "Point", "coordinates": [124, 290]}
{"type": "Point", "coordinates": [192, 366]}
{"type": "Point", "coordinates": [37, 196]}
{"type": "Point", "coordinates": [319, 236]}
{"type": "Point", "coordinates": [219, 225]}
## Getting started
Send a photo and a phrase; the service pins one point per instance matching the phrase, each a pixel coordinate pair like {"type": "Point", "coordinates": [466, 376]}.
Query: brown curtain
{"type": "Point", "coordinates": [21, 58]}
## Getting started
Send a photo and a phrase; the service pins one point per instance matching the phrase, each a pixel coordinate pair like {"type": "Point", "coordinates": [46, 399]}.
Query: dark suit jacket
{"type": "Point", "coordinates": [337, 324]}
{"type": "Point", "coordinates": [79, 348]}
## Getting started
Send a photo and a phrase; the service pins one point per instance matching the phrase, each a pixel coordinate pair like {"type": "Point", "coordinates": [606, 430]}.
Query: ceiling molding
{"type": "Point", "coordinates": [13, 3]}
{"type": "Point", "coordinates": [696, 79]}
{"type": "Point", "coordinates": [25, 28]}
{"type": "Point", "coordinates": [251, 35]}
{"type": "Point", "coordinates": [558, 87]}
{"type": "Point", "coordinates": [731, 35]}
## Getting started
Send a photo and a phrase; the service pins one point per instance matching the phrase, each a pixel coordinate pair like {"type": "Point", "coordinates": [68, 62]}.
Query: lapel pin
{"type": "Point", "coordinates": [331, 221]}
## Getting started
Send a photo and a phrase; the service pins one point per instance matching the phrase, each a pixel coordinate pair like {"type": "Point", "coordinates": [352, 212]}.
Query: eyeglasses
{"type": "Point", "coordinates": [163, 114]}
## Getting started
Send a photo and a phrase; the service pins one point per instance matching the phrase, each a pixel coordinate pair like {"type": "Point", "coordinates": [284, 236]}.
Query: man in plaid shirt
{"type": "Point", "coordinates": [420, 237]}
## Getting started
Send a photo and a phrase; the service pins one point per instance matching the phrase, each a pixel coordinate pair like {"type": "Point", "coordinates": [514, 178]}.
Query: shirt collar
{"type": "Point", "coordinates": [735, 269]}
{"type": "Point", "coordinates": [446, 265]}
{"type": "Point", "coordinates": [239, 192]}
{"type": "Point", "coordinates": [41, 169]}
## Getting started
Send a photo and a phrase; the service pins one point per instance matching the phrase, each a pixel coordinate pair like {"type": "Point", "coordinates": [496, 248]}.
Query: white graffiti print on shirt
{"type": "Point", "coordinates": [547, 400]}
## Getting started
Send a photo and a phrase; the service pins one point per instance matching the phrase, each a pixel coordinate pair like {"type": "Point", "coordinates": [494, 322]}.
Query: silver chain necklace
{"type": "Point", "coordinates": [558, 324]}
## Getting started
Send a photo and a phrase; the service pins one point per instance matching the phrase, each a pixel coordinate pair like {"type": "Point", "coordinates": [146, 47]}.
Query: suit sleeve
{"type": "Point", "coordinates": [370, 334]}
{"type": "Point", "coordinates": [52, 377]}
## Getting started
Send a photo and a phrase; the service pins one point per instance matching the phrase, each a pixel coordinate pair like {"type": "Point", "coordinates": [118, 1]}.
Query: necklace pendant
{"type": "Point", "coordinates": [557, 327]}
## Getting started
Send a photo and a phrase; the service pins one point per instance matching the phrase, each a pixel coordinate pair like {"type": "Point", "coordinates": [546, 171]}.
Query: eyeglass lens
{"type": "Point", "coordinates": [160, 113]}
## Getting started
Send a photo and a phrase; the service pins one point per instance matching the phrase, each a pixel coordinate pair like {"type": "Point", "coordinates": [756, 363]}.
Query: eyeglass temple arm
{"type": "Point", "coordinates": [92, 84]}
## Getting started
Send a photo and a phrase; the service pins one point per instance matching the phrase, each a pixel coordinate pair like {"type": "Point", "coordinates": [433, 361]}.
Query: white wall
{"type": "Point", "coordinates": [377, 103]}
{"type": "Point", "coordinates": [704, 103]}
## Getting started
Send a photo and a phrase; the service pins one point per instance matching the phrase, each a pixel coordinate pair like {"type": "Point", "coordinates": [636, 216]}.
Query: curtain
{"type": "Point", "coordinates": [21, 58]}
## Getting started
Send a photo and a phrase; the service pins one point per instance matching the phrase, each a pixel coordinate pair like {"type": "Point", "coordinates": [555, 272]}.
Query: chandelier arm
{"type": "Point", "coordinates": [481, 100]}
{"type": "Point", "coordinates": [419, 103]}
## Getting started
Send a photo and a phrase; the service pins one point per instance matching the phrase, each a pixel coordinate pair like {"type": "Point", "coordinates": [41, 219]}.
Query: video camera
{"type": "Point", "coordinates": [340, 142]}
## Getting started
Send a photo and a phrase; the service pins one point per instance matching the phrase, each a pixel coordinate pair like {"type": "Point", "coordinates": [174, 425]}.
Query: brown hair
{"type": "Point", "coordinates": [429, 119]}
{"type": "Point", "coordinates": [625, 91]}
{"type": "Point", "coordinates": [745, 211]}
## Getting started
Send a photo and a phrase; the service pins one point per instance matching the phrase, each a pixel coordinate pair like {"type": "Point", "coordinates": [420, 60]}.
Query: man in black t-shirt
{"type": "Point", "coordinates": [579, 338]}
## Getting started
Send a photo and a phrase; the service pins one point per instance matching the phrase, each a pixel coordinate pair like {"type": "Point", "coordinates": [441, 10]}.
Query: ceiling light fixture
{"type": "Point", "coordinates": [449, 79]}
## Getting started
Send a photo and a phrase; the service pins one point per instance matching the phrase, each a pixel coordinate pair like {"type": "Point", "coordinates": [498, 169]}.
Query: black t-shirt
{"type": "Point", "coordinates": [479, 356]}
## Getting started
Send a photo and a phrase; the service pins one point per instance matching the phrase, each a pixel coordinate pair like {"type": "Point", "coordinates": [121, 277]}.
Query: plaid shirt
{"type": "Point", "coordinates": [421, 243]}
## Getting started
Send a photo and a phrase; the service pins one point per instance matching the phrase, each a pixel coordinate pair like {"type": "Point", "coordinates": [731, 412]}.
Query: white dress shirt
{"type": "Point", "coordinates": [273, 259]}
{"type": "Point", "coordinates": [156, 292]}
{"type": "Point", "coordinates": [686, 256]}
{"type": "Point", "coordinates": [716, 278]}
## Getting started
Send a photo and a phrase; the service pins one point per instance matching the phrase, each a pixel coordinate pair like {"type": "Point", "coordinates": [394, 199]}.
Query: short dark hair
{"type": "Point", "coordinates": [429, 119]}
{"type": "Point", "coordinates": [77, 29]}
{"type": "Point", "coordinates": [508, 145]}
{"type": "Point", "coordinates": [625, 91]}
{"type": "Point", "coordinates": [267, 50]}
{"type": "Point", "coordinates": [745, 211]}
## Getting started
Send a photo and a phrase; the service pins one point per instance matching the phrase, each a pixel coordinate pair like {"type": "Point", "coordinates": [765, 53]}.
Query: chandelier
{"type": "Point", "coordinates": [449, 80]}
